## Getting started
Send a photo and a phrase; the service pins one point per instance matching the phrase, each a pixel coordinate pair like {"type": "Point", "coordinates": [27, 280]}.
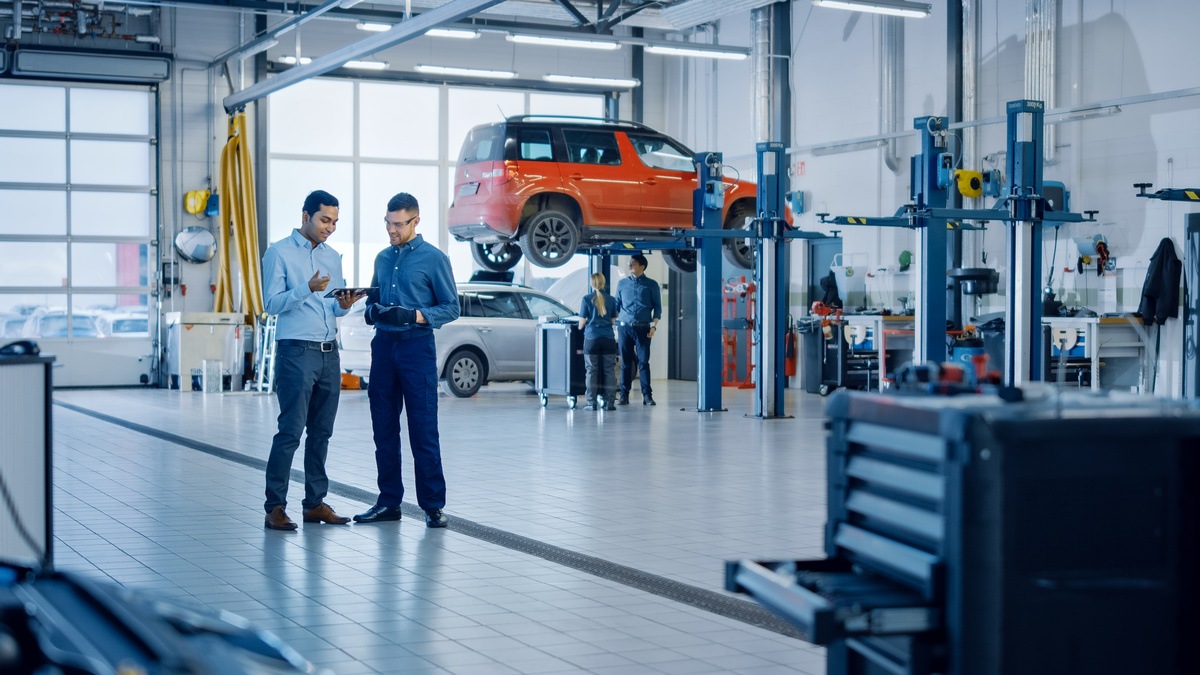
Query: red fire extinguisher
{"type": "Point", "coordinates": [789, 350]}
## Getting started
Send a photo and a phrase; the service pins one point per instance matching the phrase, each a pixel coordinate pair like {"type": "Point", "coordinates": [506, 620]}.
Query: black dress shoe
{"type": "Point", "coordinates": [648, 400]}
{"type": "Point", "coordinates": [624, 400]}
{"type": "Point", "coordinates": [378, 514]}
{"type": "Point", "coordinates": [435, 518]}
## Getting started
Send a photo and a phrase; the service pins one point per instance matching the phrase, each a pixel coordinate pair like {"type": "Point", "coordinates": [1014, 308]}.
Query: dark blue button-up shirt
{"type": "Point", "coordinates": [416, 275]}
{"type": "Point", "coordinates": [640, 300]}
{"type": "Point", "coordinates": [599, 327]}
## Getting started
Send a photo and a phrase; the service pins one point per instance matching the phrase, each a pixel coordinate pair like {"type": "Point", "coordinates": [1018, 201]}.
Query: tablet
{"type": "Point", "coordinates": [333, 292]}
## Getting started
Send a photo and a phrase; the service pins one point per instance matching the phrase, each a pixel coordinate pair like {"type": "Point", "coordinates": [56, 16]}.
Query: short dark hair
{"type": "Point", "coordinates": [403, 202]}
{"type": "Point", "coordinates": [316, 199]}
{"type": "Point", "coordinates": [640, 259]}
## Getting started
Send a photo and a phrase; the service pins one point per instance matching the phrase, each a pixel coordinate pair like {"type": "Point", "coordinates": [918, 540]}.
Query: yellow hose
{"type": "Point", "coordinates": [238, 226]}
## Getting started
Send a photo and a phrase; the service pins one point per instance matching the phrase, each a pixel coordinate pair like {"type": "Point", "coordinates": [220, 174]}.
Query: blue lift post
{"type": "Point", "coordinates": [707, 201]}
{"type": "Point", "coordinates": [771, 275]}
{"type": "Point", "coordinates": [1023, 206]}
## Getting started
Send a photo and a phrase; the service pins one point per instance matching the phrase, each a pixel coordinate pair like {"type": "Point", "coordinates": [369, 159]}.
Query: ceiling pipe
{"type": "Point", "coordinates": [255, 45]}
{"type": "Point", "coordinates": [892, 64]}
{"type": "Point", "coordinates": [1041, 30]}
{"type": "Point", "coordinates": [401, 32]}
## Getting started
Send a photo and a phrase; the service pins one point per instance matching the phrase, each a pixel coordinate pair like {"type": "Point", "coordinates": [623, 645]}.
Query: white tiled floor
{"type": "Point", "coordinates": [659, 489]}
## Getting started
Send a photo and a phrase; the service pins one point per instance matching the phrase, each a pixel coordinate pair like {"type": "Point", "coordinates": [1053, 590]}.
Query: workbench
{"type": "Point", "coordinates": [1112, 346]}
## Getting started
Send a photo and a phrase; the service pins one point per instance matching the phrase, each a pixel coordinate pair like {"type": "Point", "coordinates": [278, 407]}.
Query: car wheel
{"type": "Point", "coordinates": [739, 252]}
{"type": "Point", "coordinates": [498, 257]}
{"type": "Point", "coordinates": [682, 260]}
{"type": "Point", "coordinates": [550, 239]}
{"type": "Point", "coordinates": [464, 373]}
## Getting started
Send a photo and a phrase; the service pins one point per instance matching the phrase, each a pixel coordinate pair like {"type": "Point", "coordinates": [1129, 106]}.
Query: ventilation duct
{"type": "Point", "coordinates": [1041, 29]}
{"type": "Point", "coordinates": [88, 66]}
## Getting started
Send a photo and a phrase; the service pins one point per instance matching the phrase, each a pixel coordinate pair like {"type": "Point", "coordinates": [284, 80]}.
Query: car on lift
{"type": "Point", "coordinates": [547, 186]}
{"type": "Point", "coordinates": [494, 338]}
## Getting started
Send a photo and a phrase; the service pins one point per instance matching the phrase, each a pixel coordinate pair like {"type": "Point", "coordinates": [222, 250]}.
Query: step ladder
{"type": "Point", "coordinates": [264, 354]}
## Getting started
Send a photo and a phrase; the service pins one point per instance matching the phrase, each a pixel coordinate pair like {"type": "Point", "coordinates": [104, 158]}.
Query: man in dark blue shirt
{"type": "Point", "coordinates": [641, 307]}
{"type": "Point", "coordinates": [416, 295]}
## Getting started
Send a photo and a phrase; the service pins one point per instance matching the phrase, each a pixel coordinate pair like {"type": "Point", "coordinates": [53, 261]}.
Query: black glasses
{"type": "Point", "coordinates": [400, 226]}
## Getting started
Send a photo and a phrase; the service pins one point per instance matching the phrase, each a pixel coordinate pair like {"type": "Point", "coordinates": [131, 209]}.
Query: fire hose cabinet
{"type": "Point", "coordinates": [973, 536]}
{"type": "Point", "coordinates": [194, 338]}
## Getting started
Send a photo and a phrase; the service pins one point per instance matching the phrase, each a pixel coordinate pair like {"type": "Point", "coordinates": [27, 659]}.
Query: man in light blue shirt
{"type": "Point", "coordinates": [308, 373]}
{"type": "Point", "coordinates": [416, 295]}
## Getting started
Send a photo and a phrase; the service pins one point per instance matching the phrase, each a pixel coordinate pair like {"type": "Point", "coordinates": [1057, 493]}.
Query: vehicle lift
{"type": "Point", "coordinates": [1022, 206]}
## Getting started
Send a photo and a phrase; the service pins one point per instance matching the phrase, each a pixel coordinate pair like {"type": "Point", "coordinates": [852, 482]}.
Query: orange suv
{"type": "Point", "coordinates": [547, 186]}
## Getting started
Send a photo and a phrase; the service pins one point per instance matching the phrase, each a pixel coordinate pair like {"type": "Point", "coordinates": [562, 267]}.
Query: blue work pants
{"type": "Point", "coordinates": [633, 340]}
{"type": "Point", "coordinates": [404, 377]}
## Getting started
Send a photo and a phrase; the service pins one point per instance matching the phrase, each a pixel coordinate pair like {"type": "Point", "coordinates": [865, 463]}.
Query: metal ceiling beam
{"type": "Point", "coordinates": [249, 46]}
{"type": "Point", "coordinates": [580, 19]}
{"type": "Point", "coordinates": [401, 32]}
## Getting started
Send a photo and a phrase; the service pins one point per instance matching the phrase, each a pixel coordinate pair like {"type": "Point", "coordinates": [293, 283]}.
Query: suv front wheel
{"type": "Point", "coordinates": [739, 252]}
{"type": "Point", "coordinates": [464, 374]}
{"type": "Point", "coordinates": [498, 257]}
{"type": "Point", "coordinates": [550, 238]}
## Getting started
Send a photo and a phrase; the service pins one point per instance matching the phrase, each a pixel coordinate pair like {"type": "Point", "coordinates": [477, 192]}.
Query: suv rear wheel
{"type": "Point", "coordinates": [681, 260]}
{"type": "Point", "coordinates": [739, 252]}
{"type": "Point", "coordinates": [550, 238]}
{"type": "Point", "coordinates": [464, 373]}
{"type": "Point", "coordinates": [498, 257]}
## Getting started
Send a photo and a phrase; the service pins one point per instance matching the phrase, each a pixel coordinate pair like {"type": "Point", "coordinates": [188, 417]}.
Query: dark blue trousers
{"type": "Point", "coordinates": [307, 384]}
{"type": "Point", "coordinates": [404, 378]}
{"type": "Point", "coordinates": [634, 344]}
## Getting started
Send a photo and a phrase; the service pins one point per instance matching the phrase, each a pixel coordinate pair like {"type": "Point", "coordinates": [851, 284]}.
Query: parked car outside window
{"type": "Point", "coordinates": [494, 338]}
{"type": "Point", "coordinates": [544, 187]}
{"type": "Point", "coordinates": [57, 324]}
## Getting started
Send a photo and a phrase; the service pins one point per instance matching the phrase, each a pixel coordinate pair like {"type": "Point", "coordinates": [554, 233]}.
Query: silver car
{"type": "Point", "coordinates": [494, 338]}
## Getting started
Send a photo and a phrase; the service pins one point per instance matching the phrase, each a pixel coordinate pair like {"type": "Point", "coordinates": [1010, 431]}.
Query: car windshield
{"type": "Point", "coordinates": [133, 325]}
{"type": "Point", "coordinates": [539, 306]}
{"type": "Point", "coordinates": [483, 144]}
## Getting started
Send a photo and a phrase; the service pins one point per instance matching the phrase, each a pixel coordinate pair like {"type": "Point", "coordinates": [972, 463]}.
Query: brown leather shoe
{"type": "Point", "coordinates": [278, 520]}
{"type": "Point", "coordinates": [322, 513]}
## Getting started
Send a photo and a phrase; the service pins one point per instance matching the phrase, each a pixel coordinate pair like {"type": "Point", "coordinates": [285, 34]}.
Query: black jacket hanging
{"type": "Point", "coordinates": [830, 286]}
{"type": "Point", "coordinates": [1160, 292]}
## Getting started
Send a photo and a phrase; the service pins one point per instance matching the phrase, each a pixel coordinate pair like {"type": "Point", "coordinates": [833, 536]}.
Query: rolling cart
{"type": "Point", "coordinates": [559, 364]}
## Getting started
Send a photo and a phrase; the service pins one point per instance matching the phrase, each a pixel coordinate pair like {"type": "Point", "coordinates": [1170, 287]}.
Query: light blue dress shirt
{"type": "Point", "coordinates": [287, 266]}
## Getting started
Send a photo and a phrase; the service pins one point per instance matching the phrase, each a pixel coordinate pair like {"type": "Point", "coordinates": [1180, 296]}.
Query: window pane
{"type": "Point", "coordinates": [290, 181]}
{"type": "Point", "coordinates": [33, 264]}
{"type": "Point", "coordinates": [314, 117]}
{"type": "Point", "coordinates": [38, 108]}
{"type": "Point", "coordinates": [472, 107]}
{"type": "Point", "coordinates": [110, 111]}
{"type": "Point", "coordinates": [381, 136]}
{"type": "Point", "coordinates": [584, 105]}
{"type": "Point", "coordinates": [117, 214]}
{"type": "Point", "coordinates": [15, 309]}
{"type": "Point", "coordinates": [121, 264]}
{"type": "Point", "coordinates": [33, 212]}
{"type": "Point", "coordinates": [50, 167]}
{"type": "Point", "coordinates": [379, 182]}
{"type": "Point", "coordinates": [110, 163]}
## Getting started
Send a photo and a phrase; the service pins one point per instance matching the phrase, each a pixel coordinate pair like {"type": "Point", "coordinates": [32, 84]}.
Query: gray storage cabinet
{"type": "Point", "coordinates": [560, 370]}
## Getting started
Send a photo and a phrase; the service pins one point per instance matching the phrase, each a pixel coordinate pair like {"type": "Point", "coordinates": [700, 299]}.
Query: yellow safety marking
{"type": "Point", "coordinates": [1191, 194]}
{"type": "Point", "coordinates": [950, 225]}
{"type": "Point", "coordinates": [856, 221]}
{"type": "Point", "coordinates": [628, 245]}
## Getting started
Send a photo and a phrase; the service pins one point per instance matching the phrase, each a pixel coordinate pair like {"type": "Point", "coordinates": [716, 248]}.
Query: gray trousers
{"type": "Point", "coordinates": [601, 377]}
{"type": "Point", "coordinates": [307, 383]}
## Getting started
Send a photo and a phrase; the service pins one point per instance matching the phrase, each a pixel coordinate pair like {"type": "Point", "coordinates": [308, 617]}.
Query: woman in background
{"type": "Point", "coordinates": [599, 344]}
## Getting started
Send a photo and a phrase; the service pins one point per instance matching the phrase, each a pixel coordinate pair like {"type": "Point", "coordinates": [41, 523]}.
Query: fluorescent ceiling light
{"type": "Point", "coordinates": [373, 27]}
{"type": "Point", "coordinates": [622, 82]}
{"type": "Point", "coordinates": [915, 10]}
{"type": "Point", "coordinates": [366, 65]}
{"type": "Point", "coordinates": [466, 72]}
{"type": "Point", "coordinates": [457, 33]}
{"type": "Point", "coordinates": [697, 51]}
{"type": "Point", "coordinates": [563, 42]}
{"type": "Point", "coordinates": [291, 60]}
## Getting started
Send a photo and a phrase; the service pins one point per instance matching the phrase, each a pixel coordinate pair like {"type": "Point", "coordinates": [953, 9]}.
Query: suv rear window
{"type": "Point", "coordinates": [591, 147]}
{"type": "Point", "coordinates": [483, 144]}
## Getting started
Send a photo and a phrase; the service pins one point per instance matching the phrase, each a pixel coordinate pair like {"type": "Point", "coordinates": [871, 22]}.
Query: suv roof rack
{"type": "Point", "coordinates": [581, 118]}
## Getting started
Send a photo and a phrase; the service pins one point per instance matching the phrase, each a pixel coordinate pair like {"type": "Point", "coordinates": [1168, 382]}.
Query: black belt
{"type": "Point", "coordinates": [632, 323]}
{"type": "Point", "coordinates": [309, 344]}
